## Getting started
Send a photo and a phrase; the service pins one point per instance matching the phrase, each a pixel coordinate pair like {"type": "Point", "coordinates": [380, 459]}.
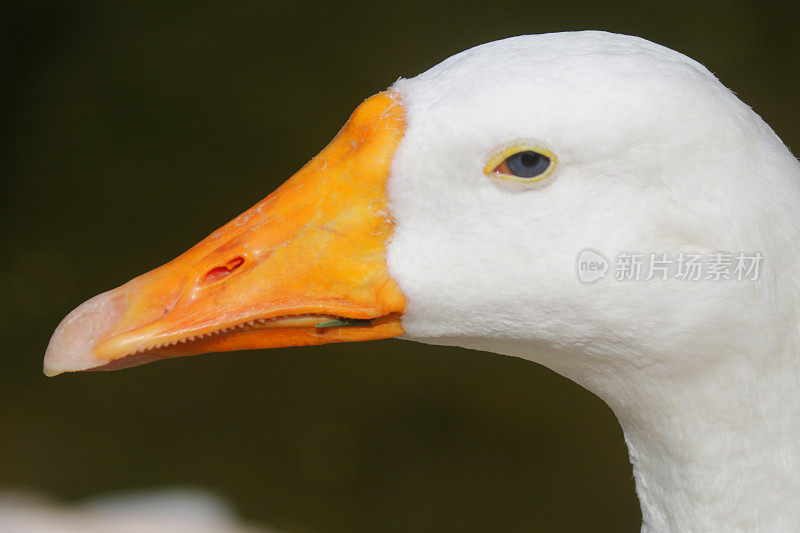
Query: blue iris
{"type": "Point", "coordinates": [528, 164]}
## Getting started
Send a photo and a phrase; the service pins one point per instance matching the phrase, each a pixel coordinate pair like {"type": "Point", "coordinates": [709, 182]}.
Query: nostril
{"type": "Point", "coordinates": [222, 271]}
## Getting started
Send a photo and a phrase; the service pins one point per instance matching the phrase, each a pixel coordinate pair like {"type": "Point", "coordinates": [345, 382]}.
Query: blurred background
{"type": "Point", "coordinates": [129, 131]}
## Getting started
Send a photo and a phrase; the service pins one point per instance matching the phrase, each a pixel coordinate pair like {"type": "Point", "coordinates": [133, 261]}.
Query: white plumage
{"type": "Point", "coordinates": [654, 155]}
{"type": "Point", "coordinates": [163, 511]}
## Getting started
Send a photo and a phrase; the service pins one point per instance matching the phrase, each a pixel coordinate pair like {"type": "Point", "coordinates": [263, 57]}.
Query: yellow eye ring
{"type": "Point", "coordinates": [524, 163]}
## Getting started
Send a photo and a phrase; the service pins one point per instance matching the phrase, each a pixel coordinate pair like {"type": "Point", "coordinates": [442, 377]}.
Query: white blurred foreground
{"type": "Point", "coordinates": [161, 511]}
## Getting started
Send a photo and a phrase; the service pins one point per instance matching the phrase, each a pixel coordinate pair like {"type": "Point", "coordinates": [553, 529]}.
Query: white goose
{"type": "Point", "coordinates": [451, 210]}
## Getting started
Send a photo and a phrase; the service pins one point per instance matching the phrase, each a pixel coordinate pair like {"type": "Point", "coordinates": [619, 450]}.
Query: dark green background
{"type": "Point", "coordinates": [130, 131]}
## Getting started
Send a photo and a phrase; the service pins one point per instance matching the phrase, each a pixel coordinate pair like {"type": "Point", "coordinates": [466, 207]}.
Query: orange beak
{"type": "Point", "coordinates": [306, 265]}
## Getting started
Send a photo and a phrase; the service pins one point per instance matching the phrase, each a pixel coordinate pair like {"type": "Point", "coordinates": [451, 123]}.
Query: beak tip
{"type": "Point", "coordinates": [70, 347]}
{"type": "Point", "coordinates": [51, 372]}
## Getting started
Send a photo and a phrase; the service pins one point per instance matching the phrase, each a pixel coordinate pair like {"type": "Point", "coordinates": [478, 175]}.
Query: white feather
{"type": "Point", "coordinates": [654, 155]}
{"type": "Point", "coordinates": [162, 511]}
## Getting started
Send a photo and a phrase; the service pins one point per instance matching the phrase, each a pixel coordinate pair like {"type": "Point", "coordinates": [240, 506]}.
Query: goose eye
{"type": "Point", "coordinates": [526, 165]}
{"type": "Point", "coordinates": [523, 162]}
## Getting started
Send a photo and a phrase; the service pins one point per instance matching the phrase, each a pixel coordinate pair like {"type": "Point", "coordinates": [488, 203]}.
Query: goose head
{"type": "Point", "coordinates": [649, 153]}
{"type": "Point", "coordinates": [453, 209]}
